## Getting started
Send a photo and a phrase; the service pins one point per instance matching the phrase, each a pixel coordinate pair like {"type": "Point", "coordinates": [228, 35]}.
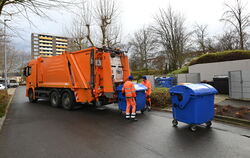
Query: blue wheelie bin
{"type": "Point", "coordinates": [166, 82]}
{"type": "Point", "coordinates": [140, 98]}
{"type": "Point", "coordinates": [193, 104]}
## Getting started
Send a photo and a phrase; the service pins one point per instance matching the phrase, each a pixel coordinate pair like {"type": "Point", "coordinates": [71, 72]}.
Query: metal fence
{"type": "Point", "coordinates": [239, 84]}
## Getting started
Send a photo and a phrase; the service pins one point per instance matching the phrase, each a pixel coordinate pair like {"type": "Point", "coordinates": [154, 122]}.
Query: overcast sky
{"type": "Point", "coordinates": [134, 15]}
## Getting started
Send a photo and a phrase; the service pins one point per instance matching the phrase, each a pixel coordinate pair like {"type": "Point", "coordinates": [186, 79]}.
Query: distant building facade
{"type": "Point", "coordinates": [43, 45]}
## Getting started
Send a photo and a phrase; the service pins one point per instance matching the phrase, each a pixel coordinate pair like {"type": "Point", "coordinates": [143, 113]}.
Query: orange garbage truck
{"type": "Point", "coordinates": [86, 76]}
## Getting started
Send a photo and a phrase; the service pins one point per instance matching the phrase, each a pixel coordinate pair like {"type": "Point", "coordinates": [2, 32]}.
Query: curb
{"type": "Point", "coordinates": [232, 120]}
{"type": "Point", "coordinates": [225, 119]}
{"type": "Point", "coordinates": [2, 119]}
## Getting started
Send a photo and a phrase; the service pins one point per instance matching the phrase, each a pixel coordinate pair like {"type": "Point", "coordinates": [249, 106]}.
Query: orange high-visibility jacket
{"type": "Point", "coordinates": [129, 89]}
{"type": "Point", "coordinates": [147, 84]}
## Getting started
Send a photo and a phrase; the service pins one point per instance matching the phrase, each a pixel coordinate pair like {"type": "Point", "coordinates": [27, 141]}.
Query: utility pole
{"type": "Point", "coordinates": [5, 56]}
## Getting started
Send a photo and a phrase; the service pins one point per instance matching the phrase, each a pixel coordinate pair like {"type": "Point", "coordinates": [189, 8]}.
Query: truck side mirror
{"type": "Point", "coordinates": [25, 71]}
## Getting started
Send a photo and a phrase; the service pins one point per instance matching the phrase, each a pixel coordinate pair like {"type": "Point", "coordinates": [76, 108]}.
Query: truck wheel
{"type": "Point", "coordinates": [68, 100]}
{"type": "Point", "coordinates": [55, 99]}
{"type": "Point", "coordinates": [30, 95]}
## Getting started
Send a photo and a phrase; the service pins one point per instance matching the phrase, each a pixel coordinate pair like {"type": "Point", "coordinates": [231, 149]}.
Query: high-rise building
{"type": "Point", "coordinates": [43, 45]}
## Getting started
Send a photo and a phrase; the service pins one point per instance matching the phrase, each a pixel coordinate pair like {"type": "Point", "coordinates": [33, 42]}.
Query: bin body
{"type": "Point", "coordinates": [140, 97]}
{"type": "Point", "coordinates": [221, 84]}
{"type": "Point", "coordinates": [193, 103]}
{"type": "Point", "coordinates": [166, 82]}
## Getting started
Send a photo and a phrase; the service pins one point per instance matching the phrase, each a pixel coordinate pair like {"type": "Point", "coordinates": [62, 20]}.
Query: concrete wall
{"type": "Point", "coordinates": [188, 78]}
{"type": "Point", "coordinates": [208, 71]}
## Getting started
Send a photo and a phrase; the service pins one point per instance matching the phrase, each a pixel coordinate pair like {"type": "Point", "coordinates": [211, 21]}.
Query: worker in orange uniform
{"type": "Point", "coordinates": [130, 93]}
{"type": "Point", "coordinates": [147, 84]}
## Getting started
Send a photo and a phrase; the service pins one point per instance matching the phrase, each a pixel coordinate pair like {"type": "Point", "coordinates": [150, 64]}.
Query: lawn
{"type": "Point", "coordinates": [4, 98]}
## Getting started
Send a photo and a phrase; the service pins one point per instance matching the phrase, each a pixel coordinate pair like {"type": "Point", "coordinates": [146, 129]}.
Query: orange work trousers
{"type": "Point", "coordinates": [130, 102]}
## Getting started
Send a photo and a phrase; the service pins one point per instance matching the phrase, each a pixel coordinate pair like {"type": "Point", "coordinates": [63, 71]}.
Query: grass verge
{"type": "Point", "coordinates": [4, 99]}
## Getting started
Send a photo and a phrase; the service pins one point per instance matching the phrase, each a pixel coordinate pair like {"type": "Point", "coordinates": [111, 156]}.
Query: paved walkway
{"type": "Point", "coordinates": [11, 91]}
{"type": "Point", "coordinates": [224, 100]}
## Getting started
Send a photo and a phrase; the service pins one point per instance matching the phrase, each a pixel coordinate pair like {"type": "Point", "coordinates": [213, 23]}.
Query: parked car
{"type": "Point", "coordinates": [2, 82]}
{"type": "Point", "coordinates": [13, 83]}
{"type": "Point", "coordinates": [2, 87]}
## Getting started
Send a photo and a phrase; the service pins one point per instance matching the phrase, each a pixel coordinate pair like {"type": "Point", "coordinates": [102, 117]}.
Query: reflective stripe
{"type": "Point", "coordinates": [127, 88]}
{"type": "Point", "coordinates": [132, 116]}
{"type": "Point", "coordinates": [127, 115]}
{"type": "Point", "coordinates": [128, 92]}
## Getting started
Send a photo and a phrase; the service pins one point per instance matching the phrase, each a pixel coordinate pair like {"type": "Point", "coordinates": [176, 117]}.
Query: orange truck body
{"type": "Point", "coordinates": [91, 75]}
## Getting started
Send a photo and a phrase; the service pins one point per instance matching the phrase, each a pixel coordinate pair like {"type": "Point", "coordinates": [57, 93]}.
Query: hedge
{"type": "Point", "coordinates": [179, 71]}
{"type": "Point", "coordinates": [4, 98]}
{"type": "Point", "coordinates": [222, 56]}
{"type": "Point", "coordinates": [160, 97]}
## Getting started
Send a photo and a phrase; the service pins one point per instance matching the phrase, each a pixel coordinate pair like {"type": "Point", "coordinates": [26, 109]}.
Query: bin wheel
{"type": "Point", "coordinates": [142, 111]}
{"type": "Point", "coordinates": [193, 128]}
{"type": "Point", "coordinates": [175, 123]}
{"type": "Point", "coordinates": [208, 124]}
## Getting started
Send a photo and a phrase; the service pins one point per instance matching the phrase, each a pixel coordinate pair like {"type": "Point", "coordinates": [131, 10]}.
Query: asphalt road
{"type": "Point", "coordinates": [40, 131]}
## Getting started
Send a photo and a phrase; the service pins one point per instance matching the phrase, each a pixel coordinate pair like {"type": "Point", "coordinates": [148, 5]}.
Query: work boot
{"type": "Point", "coordinates": [127, 116]}
{"type": "Point", "coordinates": [149, 108]}
{"type": "Point", "coordinates": [133, 117]}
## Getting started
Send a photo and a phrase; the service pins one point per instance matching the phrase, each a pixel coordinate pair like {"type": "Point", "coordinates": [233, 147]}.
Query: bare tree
{"type": "Point", "coordinates": [201, 38]}
{"type": "Point", "coordinates": [87, 16]}
{"type": "Point", "coordinates": [173, 37]}
{"type": "Point", "coordinates": [227, 41]}
{"type": "Point", "coordinates": [236, 16]}
{"type": "Point", "coordinates": [106, 13]}
{"type": "Point", "coordinates": [31, 6]}
{"type": "Point", "coordinates": [143, 47]}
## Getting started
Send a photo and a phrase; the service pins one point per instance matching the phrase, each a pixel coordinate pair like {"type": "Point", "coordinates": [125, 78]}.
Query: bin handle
{"type": "Point", "coordinates": [180, 99]}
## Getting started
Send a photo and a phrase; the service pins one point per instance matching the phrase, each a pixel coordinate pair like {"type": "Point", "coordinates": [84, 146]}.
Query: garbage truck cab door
{"type": "Point", "coordinates": [31, 75]}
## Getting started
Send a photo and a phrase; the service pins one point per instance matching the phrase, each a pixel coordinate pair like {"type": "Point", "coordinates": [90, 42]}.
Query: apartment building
{"type": "Point", "coordinates": [43, 45]}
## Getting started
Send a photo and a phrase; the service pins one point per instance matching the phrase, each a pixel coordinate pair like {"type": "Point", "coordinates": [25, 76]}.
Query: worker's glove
{"type": "Point", "coordinates": [149, 96]}
{"type": "Point", "coordinates": [123, 93]}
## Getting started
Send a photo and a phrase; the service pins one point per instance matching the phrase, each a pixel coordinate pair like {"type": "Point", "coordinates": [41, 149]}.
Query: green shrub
{"type": "Point", "coordinates": [3, 101]}
{"type": "Point", "coordinates": [179, 71]}
{"type": "Point", "coordinates": [222, 56]}
{"type": "Point", "coordinates": [160, 97]}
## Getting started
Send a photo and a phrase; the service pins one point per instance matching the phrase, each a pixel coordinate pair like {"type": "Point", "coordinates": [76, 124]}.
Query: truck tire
{"type": "Point", "coordinates": [31, 99]}
{"type": "Point", "coordinates": [68, 100]}
{"type": "Point", "coordinates": [55, 99]}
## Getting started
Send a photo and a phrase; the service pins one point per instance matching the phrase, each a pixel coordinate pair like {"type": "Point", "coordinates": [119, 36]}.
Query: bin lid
{"type": "Point", "coordinates": [194, 89]}
{"type": "Point", "coordinates": [138, 87]}
{"type": "Point", "coordinates": [164, 78]}
{"type": "Point", "coordinates": [189, 90]}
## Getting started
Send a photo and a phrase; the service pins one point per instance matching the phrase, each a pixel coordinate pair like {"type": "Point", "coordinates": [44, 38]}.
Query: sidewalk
{"type": "Point", "coordinates": [224, 100]}
{"type": "Point", "coordinates": [11, 91]}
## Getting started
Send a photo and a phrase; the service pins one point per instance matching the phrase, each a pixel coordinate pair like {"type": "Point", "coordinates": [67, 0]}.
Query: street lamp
{"type": "Point", "coordinates": [5, 55]}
